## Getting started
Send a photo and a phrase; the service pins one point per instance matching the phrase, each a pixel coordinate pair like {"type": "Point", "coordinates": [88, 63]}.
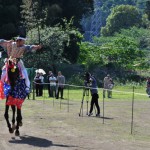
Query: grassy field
{"type": "Point", "coordinates": [119, 93]}
{"type": "Point", "coordinates": [121, 101]}
{"type": "Point", "coordinates": [55, 124]}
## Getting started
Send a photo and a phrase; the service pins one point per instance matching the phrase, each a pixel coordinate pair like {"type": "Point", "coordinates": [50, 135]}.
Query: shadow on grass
{"type": "Point", "coordinates": [36, 141]}
{"type": "Point", "coordinates": [106, 118]}
{"type": "Point", "coordinates": [96, 117]}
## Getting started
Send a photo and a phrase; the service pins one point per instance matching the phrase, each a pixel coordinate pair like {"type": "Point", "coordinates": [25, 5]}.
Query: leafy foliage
{"type": "Point", "coordinates": [123, 16]}
{"type": "Point", "coordinates": [32, 14]}
{"type": "Point", "coordinates": [10, 16]}
{"type": "Point", "coordinates": [58, 9]}
{"type": "Point", "coordinates": [90, 55]}
{"type": "Point", "coordinates": [51, 12]}
{"type": "Point", "coordinates": [147, 10]}
{"type": "Point", "coordinates": [123, 51]}
{"type": "Point", "coordinates": [109, 4]}
{"type": "Point", "coordinates": [54, 41]}
{"type": "Point", "coordinates": [119, 50]}
{"type": "Point", "coordinates": [141, 35]}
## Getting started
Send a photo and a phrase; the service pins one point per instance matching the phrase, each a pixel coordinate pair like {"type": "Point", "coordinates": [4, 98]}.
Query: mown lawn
{"type": "Point", "coordinates": [119, 93]}
{"type": "Point", "coordinates": [48, 125]}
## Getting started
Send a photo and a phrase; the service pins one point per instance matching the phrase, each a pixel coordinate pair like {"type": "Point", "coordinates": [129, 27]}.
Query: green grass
{"type": "Point", "coordinates": [45, 120]}
{"type": "Point", "coordinates": [119, 93]}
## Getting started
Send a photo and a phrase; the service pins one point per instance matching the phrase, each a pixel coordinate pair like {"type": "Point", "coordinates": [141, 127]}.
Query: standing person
{"type": "Point", "coordinates": [107, 82]}
{"type": "Point", "coordinates": [52, 81]}
{"type": "Point", "coordinates": [60, 84]}
{"type": "Point", "coordinates": [15, 51]}
{"type": "Point", "coordinates": [111, 85]}
{"type": "Point", "coordinates": [41, 84]}
{"type": "Point", "coordinates": [37, 81]}
{"type": "Point", "coordinates": [148, 86]}
{"type": "Point", "coordinates": [49, 75]}
{"type": "Point", "coordinates": [94, 94]}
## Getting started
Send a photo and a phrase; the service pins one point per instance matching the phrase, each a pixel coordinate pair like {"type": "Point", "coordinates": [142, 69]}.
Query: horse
{"type": "Point", "coordinates": [16, 85]}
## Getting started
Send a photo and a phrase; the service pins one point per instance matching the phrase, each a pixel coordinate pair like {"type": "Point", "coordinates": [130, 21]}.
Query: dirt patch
{"type": "Point", "coordinates": [48, 126]}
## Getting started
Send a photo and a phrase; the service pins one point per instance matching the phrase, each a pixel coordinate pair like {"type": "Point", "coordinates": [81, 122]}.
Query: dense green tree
{"type": "Point", "coordinates": [124, 49]}
{"type": "Point", "coordinates": [91, 55]}
{"type": "Point", "coordinates": [54, 41]}
{"type": "Point", "coordinates": [53, 11]}
{"type": "Point", "coordinates": [10, 16]}
{"type": "Point", "coordinates": [47, 13]}
{"type": "Point", "coordinates": [147, 9]}
{"type": "Point", "coordinates": [33, 14]}
{"type": "Point", "coordinates": [109, 4]}
{"type": "Point", "coordinates": [58, 9]}
{"type": "Point", "coordinates": [145, 21]}
{"type": "Point", "coordinates": [123, 16]}
{"type": "Point", "coordinates": [140, 35]}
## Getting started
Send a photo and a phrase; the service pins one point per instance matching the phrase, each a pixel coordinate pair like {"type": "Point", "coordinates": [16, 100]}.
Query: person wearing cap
{"type": "Point", "coordinates": [94, 94]}
{"type": "Point", "coordinates": [108, 85]}
{"type": "Point", "coordinates": [15, 51]}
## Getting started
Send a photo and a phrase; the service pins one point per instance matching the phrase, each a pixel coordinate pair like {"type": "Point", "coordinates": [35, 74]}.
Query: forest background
{"type": "Point", "coordinates": [111, 36]}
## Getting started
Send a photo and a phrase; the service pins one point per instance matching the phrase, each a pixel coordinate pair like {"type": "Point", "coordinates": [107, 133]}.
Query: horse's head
{"type": "Point", "coordinates": [13, 72]}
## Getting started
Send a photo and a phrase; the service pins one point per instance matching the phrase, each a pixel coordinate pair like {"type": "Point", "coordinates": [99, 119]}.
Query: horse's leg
{"type": "Point", "coordinates": [13, 116]}
{"type": "Point", "coordinates": [7, 118]}
{"type": "Point", "coordinates": [19, 118]}
{"type": "Point", "coordinates": [20, 123]}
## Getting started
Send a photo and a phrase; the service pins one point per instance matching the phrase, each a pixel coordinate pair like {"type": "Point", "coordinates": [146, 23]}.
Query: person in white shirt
{"type": "Point", "coordinates": [108, 85]}
{"type": "Point", "coordinates": [52, 81]}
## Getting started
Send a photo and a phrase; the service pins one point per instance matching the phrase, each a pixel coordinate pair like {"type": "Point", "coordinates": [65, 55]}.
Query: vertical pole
{"type": "Point", "coordinates": [81, 108]}
{"type": "Point", "coordinates": [44, 91]}
{"type": "Point", "coordinates": [68, 97]}
{"type": "Point", "coordinates": [39, 36]}
{"type": "Point", "coordinates": [53, 97]}
{"type": "Point", "coordinates": [43, 97]}
{"type": "Point", "coordinates": [84, 90]}
{"type": "Point", "coordinates": [132, 111]}
{"type": "Point", "coordinates": [33, 90]}
{"type": "Point", "coordinates": [53, 101]}
{"type": "Point", "coordinates": [103, 107]}
{"type": "Point", "coordinates": [88, 101]}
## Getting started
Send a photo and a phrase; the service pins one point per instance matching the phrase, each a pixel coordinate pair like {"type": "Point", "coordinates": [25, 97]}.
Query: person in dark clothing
{"type": "Point", "coordinates": [148, 86]}
{"type": "Point", "coordinates": [37, 81]}
{"type": "Point", "coordinates": [94, 94]}
{"type": "Point", "coordinates": [41, 84]}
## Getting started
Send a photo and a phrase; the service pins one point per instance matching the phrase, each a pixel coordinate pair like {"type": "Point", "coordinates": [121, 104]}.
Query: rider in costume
{"type": "Point", "coordinates": [15, 51]}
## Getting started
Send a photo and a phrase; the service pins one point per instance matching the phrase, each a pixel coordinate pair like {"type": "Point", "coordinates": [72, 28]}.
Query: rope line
{"type": "Point", "coordinates": [72, 85]}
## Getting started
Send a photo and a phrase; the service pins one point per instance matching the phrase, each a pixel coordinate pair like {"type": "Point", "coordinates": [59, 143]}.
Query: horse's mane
{"type": "Point", "coordinates": [13, 74]}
